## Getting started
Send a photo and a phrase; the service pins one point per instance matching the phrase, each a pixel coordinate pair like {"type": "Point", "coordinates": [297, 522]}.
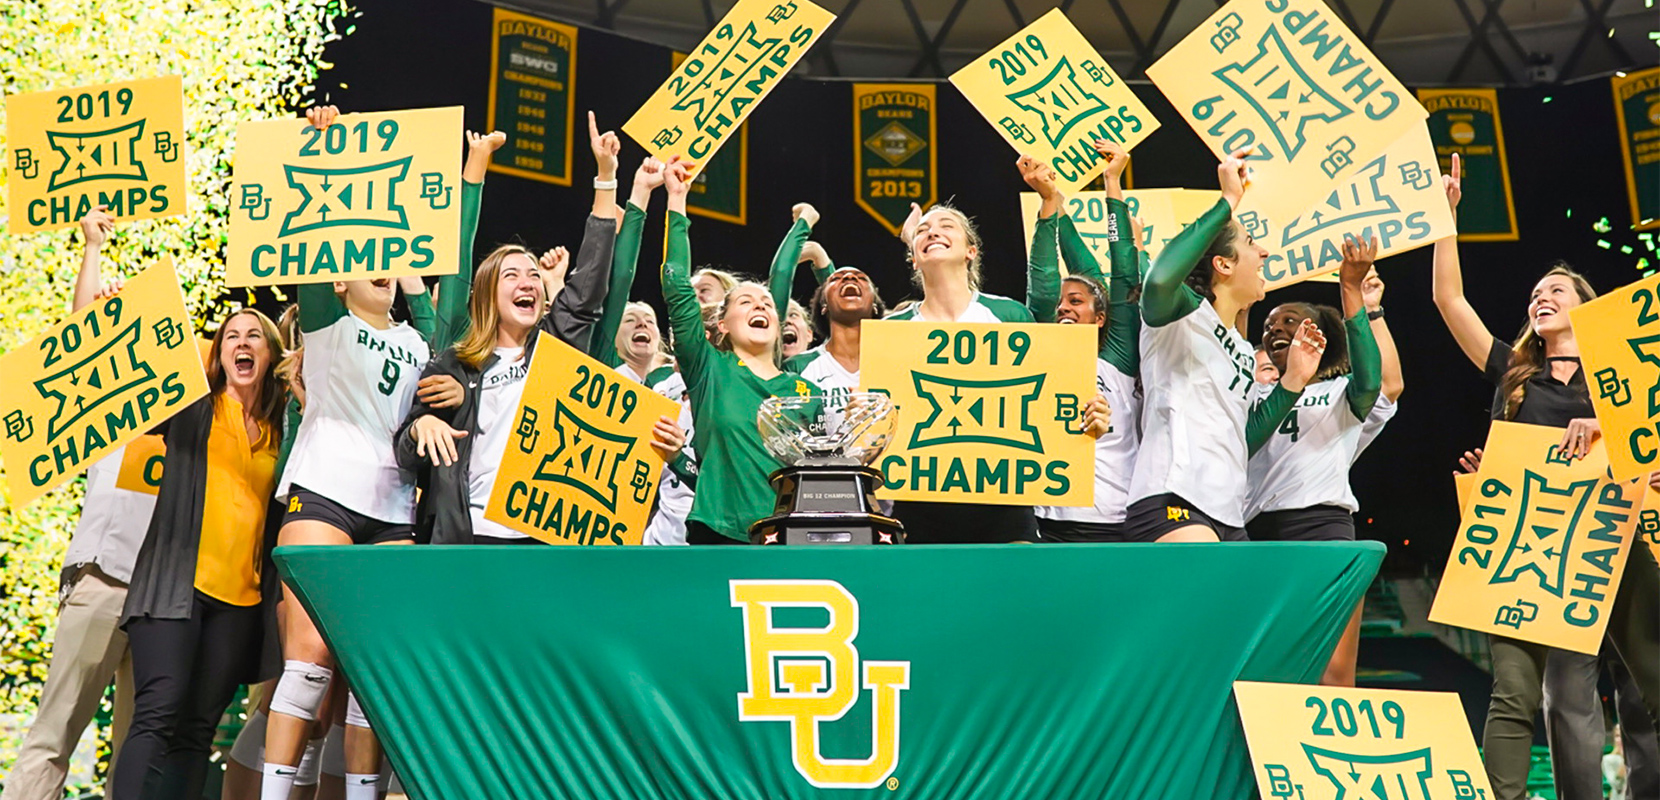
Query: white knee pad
{"type": "Point", "coordinates": [249, 749]}
{"type": "Point", "coordinates": [311, 762]}
{"type": "Point", "coordinates": [354, 712]}
{"type": "Point", "coordinates": [300, 691]}
{"type": "Point", "coordinates": [333, 761]}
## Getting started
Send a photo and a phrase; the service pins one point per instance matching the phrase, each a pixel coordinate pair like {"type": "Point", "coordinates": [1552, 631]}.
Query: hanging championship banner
{"type": "Point", "coordinates": [1466, 122]}
{"type": "Point", "coordinates": [116, 144]}
{"type": "Point", "coordinates": [1331, 742]}
{"type": "Point", "coordinates": [720, 190]}
{"type": "Point", "coordinates": [988, 413]}
{"type": "Point", "coordinates": [1541, 544]}
{"type": "Point", "coordinates": [374, 196]}
{"type": "Point", "coordinates": [579, 467]}
{"type": "Point", "coordinates": [1637, 105]}
{"type": "Point", "coordinates": [1619, 347]}
{"type": "Point", "coordinates": [100, 379]}
{"type": "Point", "coordinates": [727, 75]}
{"type": "Point", "coordinates": [533, 95]}
{"type": "Point", "coordinates": [1051, 96]}
{"type": "Point", "coordinates": [894, 158]}
{"type": "Point", "coordinates": [1396, 197]}
{"type": "Point", "coordinates": [141, 465]}
{"type": "Point", "coordinates": [1288, 78]}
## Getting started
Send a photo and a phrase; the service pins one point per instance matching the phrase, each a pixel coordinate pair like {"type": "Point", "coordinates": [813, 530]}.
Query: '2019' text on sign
{"type": "Point", "coordinates": [988, 413]}
{"type": "Point", "coordinates": [96, 381]}
{"type": "Point", "coordinates": [373, 196]}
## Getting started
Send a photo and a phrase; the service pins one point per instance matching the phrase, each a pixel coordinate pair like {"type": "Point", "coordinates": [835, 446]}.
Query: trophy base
{"type": "Point", "coordinates": [826, 504]}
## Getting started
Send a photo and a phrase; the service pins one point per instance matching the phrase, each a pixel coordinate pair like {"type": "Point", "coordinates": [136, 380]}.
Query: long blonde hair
{"type": "Point", "coordinates": [970, 231]}
{"type": "Point", "coordinates": [1527, 354]}
{"type": "Point", "coordinates": [483, 318]}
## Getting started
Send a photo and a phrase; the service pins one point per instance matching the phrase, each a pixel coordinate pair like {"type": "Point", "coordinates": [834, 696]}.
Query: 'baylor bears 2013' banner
{"type": "Point", "coordinates": [726, 76]}
{"type": "Point", "coordinates": [1466, 122]}
{"type": "Point", "coordinates": [374, 196]}
{"type": "Point", "coordinates": [894, 157]}
{"type": "Point", "coordinates": [100, 379]}
{"type": "Point", "coordinates": [899, 673]}
{"type": "Point", "coordinates": [533, 95]}
{"type": "Point", "coordinates": [1619, 345]}
{"type": "Point", "coordinates": [1542, 542]}
{"type": "Point", "coordinates": [118, 144]}
{"type": "Point", "coordinates": [1637, 105]}
{"type": "Point", "coordinates": [1051, 96]}
{"type": "Point", "coordinates": [988, 413]}
{"type": "Point", "coordinates": [579, 468]}
{"type": "Point", "coordinates": [720, 190]}
{"type": "Point", "coordinates": [1290, 79]}
{"type": "Point", "coordinates": [1330, 742]}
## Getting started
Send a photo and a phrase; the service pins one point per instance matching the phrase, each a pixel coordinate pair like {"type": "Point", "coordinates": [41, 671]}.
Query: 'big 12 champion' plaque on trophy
{"type": "Point", "coordinates": [826, 490]}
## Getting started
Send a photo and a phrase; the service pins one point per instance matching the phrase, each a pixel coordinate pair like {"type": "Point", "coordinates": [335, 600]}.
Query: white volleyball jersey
{"type": "Point", "coordinates": [981, 308]}
{"type": "Point", "coordinates": [1115, 452]}
{"type": "Point", "coordinates": [1306, 462]}
{"type": "Point", "coordinates": [501, 388]}
{"type": "Point", "coordinates": [1196, 375]}
{"type": "Point", "coordinates": [359, 384]}
{"type": "Point", "coordinates": [828, 374]}
{"type": "Point", "coordinates": [667, 525]}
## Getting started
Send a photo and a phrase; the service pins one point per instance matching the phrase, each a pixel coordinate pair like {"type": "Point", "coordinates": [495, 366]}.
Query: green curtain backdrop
{"type": "Point", "coordinates": [1063, 671]}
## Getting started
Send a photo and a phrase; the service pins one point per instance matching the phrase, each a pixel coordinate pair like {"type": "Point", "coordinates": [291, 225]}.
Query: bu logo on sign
{"type": "Point", "coordinates": [805, 676]}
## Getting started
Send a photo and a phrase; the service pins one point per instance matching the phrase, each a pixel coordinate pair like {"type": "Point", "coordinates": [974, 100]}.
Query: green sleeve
{"type": "Point", "coordinates": [1043, 271]}
{"type": "Point", "coordinates": [624, 262]}
{"type": "Point", "coordinates": [1123, 317]}
{"type": "Point", "coordinates": [1267, 415]}
{"type": "Point", "coordinates": [1365, 363]}
{"type": "Point", "coordinates": [822, 274]}
{"type": "Point", "coordinates": [319, 306]}
{"type": "Point", "coordinates": [455, 290]}
{"type": "Point", "coordinates": [1165, 297]}
{"type": "Point", "coordinates": [421, 316]}
{"type": "Point", "coordinates": [691, 346]}
{"type": "Point", "coordinates": [781, 278]}
{"type": "Point", "coordinates": [684, 467]}
{"type": "Point", "coordinates": [1075, 252]}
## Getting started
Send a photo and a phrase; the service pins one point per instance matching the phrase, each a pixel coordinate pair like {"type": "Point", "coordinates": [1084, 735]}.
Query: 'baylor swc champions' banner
{"type": "Point", "coordinates": [894, 158]}
{"type": "Point", "coordinates": [856, 673]}
{"type": "Point", "coordinates": [1466, 122]}
{"type": "Point", "coordinates": [533, 95]}
{"type": "Point", "coordinates": [1637, 105]}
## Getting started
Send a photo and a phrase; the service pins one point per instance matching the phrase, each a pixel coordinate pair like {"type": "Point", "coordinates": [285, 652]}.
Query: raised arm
{"type": "Point", "coordinates": [1123, 241]}
{"type": "Point", "coordinates": [1165, 296]}
{"type": "Point", "coordinates": [781, 276]}
{"type": "Point", "coordinates": [691, 345]}
{"type": "Point", "coordinates": [1466, 327]}
{"type": "Point", "coordinates": [455, 290]}
{"type": "Point", "coordinates": [1366, 370]}
{"type": "Point", "coordinates": [1043, 271]}
{"type": "Point", "coordinates": [1394, 382]}
{"type": "Point", "coordinates": [95, 230]}
{"type": "Point", "coordinates": [606, 146]}
{"type": "Point", "coordinates": [421, 315]}
{"type": "Point", "coordinates": [625, 261]}
{"type": "Point", "coordinates": [319, 305]}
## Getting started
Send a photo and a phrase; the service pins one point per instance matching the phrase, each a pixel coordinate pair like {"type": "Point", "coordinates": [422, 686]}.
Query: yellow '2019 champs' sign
{"type": "Point", "coordinates": [373, 196]}
{"type": "Point", "coordinates": [118, 144]}
{"type": "Point", "coordinates": [1541, 544]}
{"type": "Point", "coordinates": [579, 468]}
{"type": "Point", "coordinates": [1288, 78]}
{"type": "Point", "coordinates": [1163, 214]}
{"type": "Point", "coordinates": [988, 413]}
{"type": "Point", "coordinates": [1619, 345]}
{"type": "Point", "coordinates": [1051, 95]}
{"type": "Point", "coordinates": [730, 72]}
{"type": "Point", "coordinates": [96, 381]}
{"type": "Point", "coordinates": [1319, 742]}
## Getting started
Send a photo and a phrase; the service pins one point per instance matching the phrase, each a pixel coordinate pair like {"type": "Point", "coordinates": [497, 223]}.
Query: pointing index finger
{"type": "Point", "coordinates": [593, 127]}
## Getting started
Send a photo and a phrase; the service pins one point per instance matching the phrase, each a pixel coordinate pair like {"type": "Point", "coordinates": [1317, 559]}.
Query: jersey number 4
{"type": "Point", "coordinates": [1289, 426]}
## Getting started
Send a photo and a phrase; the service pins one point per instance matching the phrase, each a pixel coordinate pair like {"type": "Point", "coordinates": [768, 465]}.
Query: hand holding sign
{"type": "Point", "coordinates": [1233, 176]}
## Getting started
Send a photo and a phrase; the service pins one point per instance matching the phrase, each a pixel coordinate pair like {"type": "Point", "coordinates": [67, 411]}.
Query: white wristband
{"type": "Point", "coordinates": [610, 184]}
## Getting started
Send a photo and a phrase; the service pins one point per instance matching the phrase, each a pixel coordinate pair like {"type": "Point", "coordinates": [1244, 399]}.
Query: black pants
{"type": "Point", "coordinates": [185, 672]}
{"type": "Point", "coordinates": [965, 523]}
{"type": "Point", "coordinates": [699, 533]}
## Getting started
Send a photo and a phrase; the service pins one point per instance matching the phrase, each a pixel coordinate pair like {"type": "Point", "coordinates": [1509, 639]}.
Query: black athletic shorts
{"type": "Point", "coordinates": [306, 504]}
{"type": "Point", "coordinates": [699, 533]}
{"type": "Point", "coordinates": [1151, 517]}
{"type": "Point", "coordinates": [1312, 524]}
{"type": "Point", "coordinates": [1060, 530]}
{"type": "Point", "coordinates": [965, 523]}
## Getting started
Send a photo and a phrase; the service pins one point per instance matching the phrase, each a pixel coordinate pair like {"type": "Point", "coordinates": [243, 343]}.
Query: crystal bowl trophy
{"type": "Point", "coordinates": [826, 489]}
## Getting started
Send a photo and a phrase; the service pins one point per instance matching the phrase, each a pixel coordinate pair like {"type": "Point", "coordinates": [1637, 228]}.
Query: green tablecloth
{"type": "Point", "coordinates": [1028, 671]}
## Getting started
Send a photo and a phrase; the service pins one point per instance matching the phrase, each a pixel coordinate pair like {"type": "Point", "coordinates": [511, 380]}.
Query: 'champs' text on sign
{"type": "Point", "coordinates": [1327, 741]}
{"type": "Point", "coordinates": [725, 77]}
{"type": "Point", "coordinates": [100, 379]}
{"type": "Point", "coordinates": [1051, 96]}
{"type": "Point", "coordinates": [118, 144]}
{"type": "Point", "coordinates": [988, 413]}
{"type": "Point", "coordinates": [1619, 347]}
{"type": "Point", "coordinates": [1288, 78]}
{"type": "Point", "coordinates": [579, 467]}
{"type": "Point", "coordinates": [1541, 543]}
{"type": "Point", "coordinates": [373, 196]}
{"type": "Point", "coordinates": [1396, 197]}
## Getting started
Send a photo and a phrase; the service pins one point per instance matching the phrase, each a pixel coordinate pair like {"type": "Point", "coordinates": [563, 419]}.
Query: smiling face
{"type": "Point", "coordinates": [849, 296]}
{"type": "Point", "coordinates": [372, 297]}
{"type": "Point", "coordinates": [1277, 332]}
{"type": "Point", "coordinates": [798, 334]}
{"type": "Point", "coordinates": [1244, 281]}
{"type": "Point", "coordinates": [1266, 372]}
{"type": "Point", "coordinates": [518, 293]}
{"type": "Point", "coordinates": [244, 352]}
{"type": "Point", "coordinates": [638, 337]}
{"type": "Point", "coordinates": [709, 288]}
{"type": "Point", "coordinates": [1552, 297]}
{"type": "Point", "coordinates": [750, 321]}
{"type": "Point", "coordinates": [942, 238]}
{"type": "Point", "coordinates": [1077, 306]}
